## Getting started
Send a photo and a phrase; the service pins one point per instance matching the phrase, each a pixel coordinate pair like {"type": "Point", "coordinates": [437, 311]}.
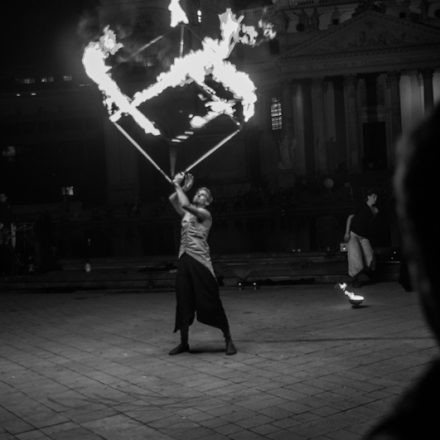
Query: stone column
{"type": "Point", "coordinates": [351, 121]}
{"type": "Point", "coordinates": [329, 109]}
{"type": "Point", "coordinates": [298, 142]}
{"type": "Point", "coordinates": [287, 107]}
{"type": "Point", "coordinates": [436, 86]}
{"type": "Point", "coordinates": [310, 158]}
{"type": "Point", "coordinates": [393, 114]}
{"type": "Point", "coordinates": [418, 110]}
{"type": "Point", "coordinates": [340, 158]}
{"type": "Point", "coordinates": [393, 104]}
{"type": "Point", "coordinates": [428, 88]}
{"type": "Point", "coordinates": [331, 153]}
{"type": "Point", "coordinates": [319, 135]}
{"type": "Point", "coordinates": [405, 101]}
{"type": "Point", "coordinates": [411, 98]}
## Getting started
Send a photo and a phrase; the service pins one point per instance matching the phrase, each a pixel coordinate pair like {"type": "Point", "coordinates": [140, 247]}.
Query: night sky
{"type": "Point", "coordinates": [42, 35]}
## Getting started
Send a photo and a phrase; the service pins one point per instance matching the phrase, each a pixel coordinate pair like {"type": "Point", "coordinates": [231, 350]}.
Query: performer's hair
{"type": "Point", "coordinates": [210, 198]}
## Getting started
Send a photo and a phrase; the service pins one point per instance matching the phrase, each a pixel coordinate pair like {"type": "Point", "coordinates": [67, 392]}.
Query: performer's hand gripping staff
{"type": "Point", "coordinates": [182, 183]}
{"type": "Point", "coordinates": [184, 180]}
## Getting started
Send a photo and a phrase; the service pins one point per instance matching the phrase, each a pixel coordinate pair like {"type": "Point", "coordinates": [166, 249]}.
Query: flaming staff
{"type": "Point", "coordinates": [142, 151]}
{"type": "Point", "coordinates": [191, 68]}
{"type": "Point", "coordinates": [212, 150]}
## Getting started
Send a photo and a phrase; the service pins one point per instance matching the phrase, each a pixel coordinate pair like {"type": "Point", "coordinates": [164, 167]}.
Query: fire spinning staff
{"type": "Point", "coordinates": [192, 68]}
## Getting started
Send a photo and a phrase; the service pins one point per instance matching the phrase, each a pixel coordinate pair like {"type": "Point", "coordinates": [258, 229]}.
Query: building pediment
{"type": "Point", "coordinates": [370, 31]}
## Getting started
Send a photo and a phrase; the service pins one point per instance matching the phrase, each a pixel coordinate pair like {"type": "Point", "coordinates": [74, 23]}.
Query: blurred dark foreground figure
{"type": "Point", "coordinates": [415, 415]}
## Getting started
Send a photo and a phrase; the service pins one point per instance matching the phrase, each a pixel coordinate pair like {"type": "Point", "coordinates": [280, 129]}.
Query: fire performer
{"type": "Point", "coordinates": [197, 291]}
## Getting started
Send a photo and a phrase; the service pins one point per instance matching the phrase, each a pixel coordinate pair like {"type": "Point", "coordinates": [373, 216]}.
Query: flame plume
{"type": "Point", "coordinates": [194, 67]}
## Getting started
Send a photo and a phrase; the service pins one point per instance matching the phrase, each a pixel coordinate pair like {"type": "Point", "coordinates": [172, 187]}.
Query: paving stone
{"type": "Point", "coordinates": [6, 436]}
{"type": "Point", "coordinates": [95, 365]}
{"type": "Point", "coordinates": [117, 427]}
{"type": "Point", "coordinates": [33, 435]}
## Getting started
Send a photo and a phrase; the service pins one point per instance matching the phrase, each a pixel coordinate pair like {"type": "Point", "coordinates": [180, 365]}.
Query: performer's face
{"type": "Point", "coordinates": [201, 198]}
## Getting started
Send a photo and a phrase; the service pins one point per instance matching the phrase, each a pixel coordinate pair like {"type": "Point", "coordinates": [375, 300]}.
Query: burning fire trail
{"type": "Point", "coordinates": [194, 67]}
{"type": "Point", "coordinates": [351, 295]}
{"type": "Point", "coordinates": [94, 63]}
{"type": "Point", "coordinates": [211, 59]}
{"type": "Point", "coordinates": [208, 153]}
{"type": "Point", "coordinates": [141, 150]}
{"type": "Point", "coordinates": [177, 13]}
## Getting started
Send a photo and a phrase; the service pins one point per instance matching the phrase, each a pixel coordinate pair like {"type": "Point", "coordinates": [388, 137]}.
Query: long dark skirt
{"type": "Point", "coordinates": [197, 293]}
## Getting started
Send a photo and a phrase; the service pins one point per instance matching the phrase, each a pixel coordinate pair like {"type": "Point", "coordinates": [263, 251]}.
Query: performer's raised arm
{"type": "Point", "coordinates": [188, 183]}
{"type": "Point", "coordinates": [201, 200]}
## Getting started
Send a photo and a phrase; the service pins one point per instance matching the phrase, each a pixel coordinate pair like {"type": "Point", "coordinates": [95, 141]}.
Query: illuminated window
{"type": "Point", "coordinates": [199, 16]}
{"type": "Point", "coordinates": [67, 78]}
{"type": "Point", "coordinates": [276, 114]}
{"type": "Point", "coordinates": [47, 79]}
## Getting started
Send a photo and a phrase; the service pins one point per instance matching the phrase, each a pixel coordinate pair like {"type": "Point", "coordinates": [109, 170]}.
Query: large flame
{"type": "Point", "coordinates": [193, 67]}
{"type": "Point", "coordinates": [93, 60]}
{"type": "Point", "coordinates": [177, 13]}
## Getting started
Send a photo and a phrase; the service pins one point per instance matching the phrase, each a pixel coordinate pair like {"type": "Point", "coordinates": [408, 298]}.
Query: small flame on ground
{"type": "Point", "coordinates": [351, 295]}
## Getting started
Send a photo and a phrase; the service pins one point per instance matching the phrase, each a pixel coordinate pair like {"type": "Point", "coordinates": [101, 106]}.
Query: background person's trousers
{"type": "Point", "coordinates": [360, 254]}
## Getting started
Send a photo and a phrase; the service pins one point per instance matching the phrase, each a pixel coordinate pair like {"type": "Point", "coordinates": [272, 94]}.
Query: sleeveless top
{"type": "Point", "coordinates": [362, 223]}
{"type": "Point", "coordinates": [194, 240]}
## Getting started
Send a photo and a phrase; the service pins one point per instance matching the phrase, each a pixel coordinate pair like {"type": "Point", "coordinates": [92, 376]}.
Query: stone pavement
{"type": "Point", "coordinates": [92, 365]}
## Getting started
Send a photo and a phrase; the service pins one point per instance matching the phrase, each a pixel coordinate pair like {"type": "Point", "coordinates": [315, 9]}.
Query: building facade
{"type": "Point", "coordinates": [352, 76]}
{"type": "Point", "coordinates": [336, 88]}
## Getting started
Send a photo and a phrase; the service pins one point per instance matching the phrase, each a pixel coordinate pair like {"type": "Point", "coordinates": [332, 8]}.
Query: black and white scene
{"type": "Point", "coordinates": [217, 220]}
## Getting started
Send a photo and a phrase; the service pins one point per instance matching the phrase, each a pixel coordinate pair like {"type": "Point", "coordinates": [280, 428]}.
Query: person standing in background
{"type": "Point", "coordinates": [358, 230]}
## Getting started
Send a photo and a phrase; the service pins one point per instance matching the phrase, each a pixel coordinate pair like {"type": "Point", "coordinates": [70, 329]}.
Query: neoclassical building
{"type": "Point", "coordinates": [351, 77]}
{"type": "Point", "coordinates": [336, 87]}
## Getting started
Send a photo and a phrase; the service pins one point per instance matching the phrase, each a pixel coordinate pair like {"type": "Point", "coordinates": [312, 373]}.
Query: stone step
{"type": "Point", "coordinates": [158, 273]}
